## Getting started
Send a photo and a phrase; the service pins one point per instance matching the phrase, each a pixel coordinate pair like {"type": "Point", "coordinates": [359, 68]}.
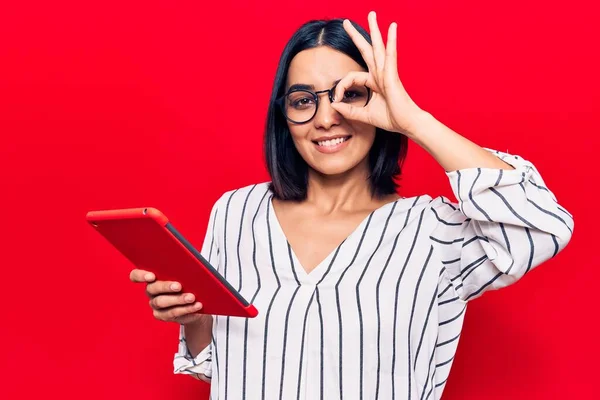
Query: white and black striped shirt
{"type": "Point", "coordinates": [381, 316]}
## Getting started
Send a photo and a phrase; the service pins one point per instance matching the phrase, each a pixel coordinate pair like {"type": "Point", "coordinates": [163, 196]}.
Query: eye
{"type": "Point", "coordinates": [300, 100]}
{"type": "Point", "coordinates": [350, 94]}
{"type": "Point", "coordinates": [355, 94]}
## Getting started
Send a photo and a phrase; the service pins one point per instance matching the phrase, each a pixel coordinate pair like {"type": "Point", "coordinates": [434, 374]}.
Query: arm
{"type": "Point", "coordinates": [507, 220]}
{"type": "Point", "coordinates": [506, 223]}
{"type": "Point", "coordinates": [194, 354]}
{"type": "Point", "coordinates": [451, 150]}
{"type": "Point", "coordinates": [198, 335]}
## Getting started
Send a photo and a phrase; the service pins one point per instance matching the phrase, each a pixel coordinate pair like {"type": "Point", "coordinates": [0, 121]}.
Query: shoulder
{"type": "Point", "coordinates": [442, 206]}
{"type": "Point", "coordinates": [243, 196]}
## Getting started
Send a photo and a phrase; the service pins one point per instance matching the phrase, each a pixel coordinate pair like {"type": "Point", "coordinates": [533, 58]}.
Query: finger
{"type": "Point", "coordinates": [378, 46]}
{"type": "Point", "coordinates": [365, 48]}
{"type": "Point", "coordinates": [391, 62]}
{"type": "Point", "coordinates": [176, 312]}
{"type": "Point", "coordinates": [170, 300]}
{"type": "Point", "coordinates": [162, 287]}
{"type": "Point", "coordinates": [351, 112]}
{"type": "Point", "coordinates": [357, 78]}
{"type": "Point", "coordinates": [139, 275]}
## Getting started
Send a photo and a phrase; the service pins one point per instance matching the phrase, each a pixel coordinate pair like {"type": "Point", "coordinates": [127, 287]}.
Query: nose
{"type": "Point", "coordinates": [326, 116]}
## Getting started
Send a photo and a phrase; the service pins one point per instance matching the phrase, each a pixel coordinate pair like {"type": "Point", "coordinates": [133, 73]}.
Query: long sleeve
{"type": "Point", "coordinates": [506, 223]}
{"type": "Point", "coordinates": [183, 362]}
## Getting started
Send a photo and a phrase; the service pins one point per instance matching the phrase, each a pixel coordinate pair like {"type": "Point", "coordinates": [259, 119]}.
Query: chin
{"type": "Point", "coordinates": [335, 167]}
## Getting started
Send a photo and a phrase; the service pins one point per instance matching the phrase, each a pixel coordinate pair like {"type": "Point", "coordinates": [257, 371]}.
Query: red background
{"type": "Point", "coordinates": [158, 103]}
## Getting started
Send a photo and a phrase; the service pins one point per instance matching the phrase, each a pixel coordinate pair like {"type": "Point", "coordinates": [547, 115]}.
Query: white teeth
{"type": "Point", "coordinates": [332, 142]}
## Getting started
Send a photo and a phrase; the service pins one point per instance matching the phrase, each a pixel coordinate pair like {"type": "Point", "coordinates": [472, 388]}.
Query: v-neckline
{"type": "Point", "coordinates": [317, 273]}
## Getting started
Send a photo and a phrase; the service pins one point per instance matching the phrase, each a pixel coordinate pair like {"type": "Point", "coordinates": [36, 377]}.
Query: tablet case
{"type": "Point", "coordinates": [147, 238]}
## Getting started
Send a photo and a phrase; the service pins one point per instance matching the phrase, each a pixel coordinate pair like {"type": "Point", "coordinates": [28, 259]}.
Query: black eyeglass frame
{"type": "Point", "coordinates": [280, 101]}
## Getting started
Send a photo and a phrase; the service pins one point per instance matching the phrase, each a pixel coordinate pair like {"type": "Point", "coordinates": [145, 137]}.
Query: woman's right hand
{"type": "Point", "coordinates": [167, 301]}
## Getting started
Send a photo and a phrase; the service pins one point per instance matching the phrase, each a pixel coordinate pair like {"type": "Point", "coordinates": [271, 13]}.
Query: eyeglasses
{"type": "Point", "coordinates": [300, 105]}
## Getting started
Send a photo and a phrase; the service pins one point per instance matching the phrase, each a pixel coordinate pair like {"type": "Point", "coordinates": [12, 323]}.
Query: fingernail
{"type": "Point", "coordinates": [197, 305]}
{"type": "Point", "coordinates": [148, 277]}
{"type": "Point", "coordinates": [175, 286]}
{"type": "Point", "coordinates": [189, 298]}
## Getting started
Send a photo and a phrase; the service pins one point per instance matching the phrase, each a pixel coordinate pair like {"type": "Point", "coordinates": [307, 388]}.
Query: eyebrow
{"type": "Point", "coordinates": [304, 86]}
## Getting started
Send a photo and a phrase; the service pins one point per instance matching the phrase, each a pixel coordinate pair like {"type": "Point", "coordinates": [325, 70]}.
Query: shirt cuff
{"type": "Point", "coordinates": [470, 184]}
{"type": "Point", "coordinates": [184, 363]}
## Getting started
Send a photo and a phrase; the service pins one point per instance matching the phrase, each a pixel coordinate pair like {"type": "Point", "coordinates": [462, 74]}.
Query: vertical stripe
{"type": "Point", "coordinates": [555, 246]}
{"type": "Point", "coordinates": [339, 311]}
{"type": "Point", "coordinates": [433, 298]}
{"type": "Point", "coordinates": [531, 250]}
{"type": "Point", "coordinates": [499, 177]}
{"type": "Point", "coordinates": [216, 359]}
{"type": "Point", "coordinates": [508, 249]}
{"type": "Point", "coordinates": [227, 331]}
{"type": "Point", "coordinates": [505, 237]}
{"type": "Point", "coordinates": [321, 350]}
{"type": "Point", "coordinates": [321, 355]}
{"type": "Point", "coordinates": [429, 371]}
{"type": "Point", "coordinates": [245, 343]}
{"type": "Point", "coordinates": [412, 315]}
{"type": "Point", "coordinates": [287, 321]}
{"type": "Point", "coordinates": [212, 239]}
{"type": "Point", "coordinates": [460, 200]}
{"type": "Point", "coordinates": [239, 288]}
{"type": "Point", "coordinates": [239, 242]}
{"type": "Point", "coordinates": [212, 242]}
{"type": "Point", "coordinates": [377, 296]}
{"type": "Point", "coordinates": [268, 316]}
{"type": "Point", "coordinates": [358, 304]}
{"type": "Point", "coordinates": [481, 210]}
{"type": "Point", "coordinates": [395, 335]}
{"type": "Point", "coordinates": [302, 341]}
{"type": "Point", "coordinates": [225, 252]}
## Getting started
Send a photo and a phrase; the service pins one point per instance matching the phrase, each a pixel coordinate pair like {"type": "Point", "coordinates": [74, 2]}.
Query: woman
{"type": "Point", "coordinates": [361, 293]}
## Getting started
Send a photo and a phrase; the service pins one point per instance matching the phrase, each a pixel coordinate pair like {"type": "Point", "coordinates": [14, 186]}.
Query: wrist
{"type": "Point", "coordinates": [419, 125]}
{"type": "Point", "coordinates": [196, 323]}
{"type": "Point", "coordinates": [198, 334]}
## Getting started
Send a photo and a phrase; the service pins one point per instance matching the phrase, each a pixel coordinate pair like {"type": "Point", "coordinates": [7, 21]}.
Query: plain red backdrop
{"type": "Point", "coordinates": [157, 103]}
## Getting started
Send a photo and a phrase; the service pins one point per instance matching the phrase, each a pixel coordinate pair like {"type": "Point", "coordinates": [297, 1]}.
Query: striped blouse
{"type": "Point", "coordinates": [380, 317]}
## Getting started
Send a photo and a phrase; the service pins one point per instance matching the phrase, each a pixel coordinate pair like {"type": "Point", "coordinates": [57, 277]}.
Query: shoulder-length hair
{"type": "Point", "coordinates": [287, 168]}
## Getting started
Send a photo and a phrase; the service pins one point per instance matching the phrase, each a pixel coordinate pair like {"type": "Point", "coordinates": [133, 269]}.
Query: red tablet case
{"type": "Point", "coordinates": [147, 238]}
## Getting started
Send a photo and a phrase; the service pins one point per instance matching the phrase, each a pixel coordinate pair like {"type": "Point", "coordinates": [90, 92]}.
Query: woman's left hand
{"type": "Point", "coordinates": [390, 106]}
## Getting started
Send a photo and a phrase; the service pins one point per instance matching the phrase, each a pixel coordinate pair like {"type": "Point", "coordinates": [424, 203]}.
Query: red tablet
{"type": "Point", "coordinates": [147, 238]}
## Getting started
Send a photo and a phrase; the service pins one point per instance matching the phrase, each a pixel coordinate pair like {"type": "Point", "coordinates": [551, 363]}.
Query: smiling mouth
{"type": "Point", "coordinates": [332, 142]}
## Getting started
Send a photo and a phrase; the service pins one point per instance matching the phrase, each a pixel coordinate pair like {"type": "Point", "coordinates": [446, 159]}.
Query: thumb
{"type": "Point", "coordinates": [350, 112]}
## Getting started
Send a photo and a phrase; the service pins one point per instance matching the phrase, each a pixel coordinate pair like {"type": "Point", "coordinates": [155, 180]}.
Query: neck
{"type": "Point", "coordinates": [344, 192]}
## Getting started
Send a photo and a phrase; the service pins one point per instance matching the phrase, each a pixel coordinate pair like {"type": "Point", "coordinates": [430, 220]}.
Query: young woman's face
{"type": "Point", "coordinates": [330, 144]}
